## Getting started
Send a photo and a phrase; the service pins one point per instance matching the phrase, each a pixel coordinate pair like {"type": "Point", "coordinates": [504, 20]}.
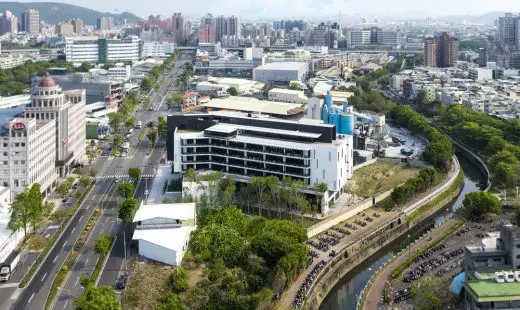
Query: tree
{"type": "Point", "coordinates": [117, 141]}
{"type": "Point", "coordinates": [178, 281]}
{"type": "Point", "coordinates": [130, 122]}
{"type": "Point", "coordinates": [127, 210]}
{"type": "Point", "coordinates": [126, 189]}
{"type": "Point", "coordinates": [103, 244]}
{"type": "Point", "coordinates": [84, 181]}
{"type": "Point", "coordinates": [295, 86]}
{"type": "Point", "coordinates": [92, 172]}
{"type": "Point", "coordinates": [20, 212]}
{"type": "Point", "coordinates": [320, 190]}
{"type": "Point", "coordinates": [311, 74]}
{"type": "Point", "coordinates": [480, 203]}
{"type": "Point", "coordinates": [63, 188]}
{"type": "Point", "coordinates": [176, 98]}
{"type": "Point", "coordinates": [162, 127]}
{"type": "Point", "coordinates": [431, 293]}
{"type": "Point", "coordinates": [232, 91]}
{"type": "Point", "coordinates": [171, 302]}
{"type": "Point", "coordinates": [114, 120]}
{"type": "Point", "coordinates": [259, 187]}
{"type": "Point", "coordinates": [134, 173]}
{"type": "Point", "coordinates": [152, 136]}
{"type": "Point", "coordinates": [98, 298]}
{"type": "Point", "coordinates": [85, 66]}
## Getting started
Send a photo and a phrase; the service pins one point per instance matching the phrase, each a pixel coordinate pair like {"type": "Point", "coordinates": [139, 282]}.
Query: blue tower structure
{"type": "Point", "coordinates": [341, 117]}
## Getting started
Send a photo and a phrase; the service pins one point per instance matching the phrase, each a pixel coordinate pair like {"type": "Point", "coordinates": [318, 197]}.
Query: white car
{"type": "Point", "coordinates": [118, 180]}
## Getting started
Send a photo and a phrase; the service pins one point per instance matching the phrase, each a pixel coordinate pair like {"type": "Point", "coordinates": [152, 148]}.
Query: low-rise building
{"type": "Point", "coordinates": [14, 101]}
{"type": "Point", "coordinates": [163, 231]}
{"type": "Point", "coordinates": [158, 49]}
{"type": "Point", "coordinates": [120, 72]}
{"type": "Point", "coordinates": [281, 72]}
{"type": "Point", "coordinates": [254, 106]}
{"type": "Point", "coordinates": [287, 95]}
{"type": "Point", "coordinates": [492, 276]}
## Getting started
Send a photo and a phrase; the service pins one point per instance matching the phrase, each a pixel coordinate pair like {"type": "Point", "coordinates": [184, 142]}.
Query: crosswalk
{"type": "Point", "coordinates": [122, 176]}
{"type": "Point", "coordinates": [112, 157]}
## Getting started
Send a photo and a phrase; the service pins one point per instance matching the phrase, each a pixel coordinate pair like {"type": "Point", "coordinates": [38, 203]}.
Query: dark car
{"type": "Point", "coordinates": [65, 199]}
{"type": "Point", "coordinates": [75, 186]}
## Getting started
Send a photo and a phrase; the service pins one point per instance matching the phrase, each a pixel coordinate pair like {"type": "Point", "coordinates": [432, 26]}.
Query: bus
{"type": "Point", "coordinates": [139, 125]}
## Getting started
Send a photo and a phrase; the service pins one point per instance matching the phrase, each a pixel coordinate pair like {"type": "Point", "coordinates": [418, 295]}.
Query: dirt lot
{"type": "Point", "coordinates": [148, 282]}
{"type": "Point", "coordinates": [380, 177]}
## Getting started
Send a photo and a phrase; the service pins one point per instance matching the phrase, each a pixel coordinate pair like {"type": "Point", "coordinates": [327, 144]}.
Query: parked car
{"type": "Point", "coordinates": [65, 199]}
{"type": "Point", "coordinates": [75, 186]}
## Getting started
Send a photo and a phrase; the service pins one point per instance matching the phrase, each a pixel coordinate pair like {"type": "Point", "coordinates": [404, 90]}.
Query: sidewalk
{"type": "Point", "coordinates": [373, 301]}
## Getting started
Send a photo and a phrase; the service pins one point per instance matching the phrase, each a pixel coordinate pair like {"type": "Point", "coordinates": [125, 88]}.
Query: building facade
{"type": "Point", "coordinates": [31, 22]}
{"type": "Point", "coordinates": [441, 51]}
{"type": "Point", "coordinates": [65, 29]}
{"type": "Point", "coordinates": [157, 49]}
{"type": "Point", "coordinates": [246, 147]}
{"type": "Point", "coordinates": [78, 24]}
{"type": "Point", "coordinates": [8, 23]}
{"type": "Point", "coordinates": [67, 110]}
{"type": "Point", "coordinates": [97, 88]}
{"type": "Point", "coordinates": [18, 101]}
{"type": "Point", "coordinates": [207, 34]}
{"type": "Point", "coordinates": [103, 50]}
{"type": "Point", "coordinates": [27, 152]}
{"type": "Point", "coordinates": [281, 72]}
{"type": "Point", "coordinates": [105, 23]}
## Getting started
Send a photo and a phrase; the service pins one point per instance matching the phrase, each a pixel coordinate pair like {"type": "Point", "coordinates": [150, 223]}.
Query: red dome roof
{"type": "Point", "coordinates": [47, 81]}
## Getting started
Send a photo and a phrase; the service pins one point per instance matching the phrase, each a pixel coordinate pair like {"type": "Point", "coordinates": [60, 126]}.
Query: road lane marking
{"type": "Point", "coordinates": [107, 220]}
{"type": "Point", "coordinates": [54, 260]}
{"type": "Point", "coordinates": [65, 305]}
{"type": "Point", "coordinates": [30, 298]}
{"type": "Point", "coordinates": [80, 218]}
{"type": "Point", "coordinates": [76, 283]}
{"type": "Point", "coordinates": [86, 261]}
{"type": "Point", "coordinates": [73, 229]}
{"type": "Point", "coordinates": [43, 278]}
{"type": "Point", "coordinates": [9, 285]}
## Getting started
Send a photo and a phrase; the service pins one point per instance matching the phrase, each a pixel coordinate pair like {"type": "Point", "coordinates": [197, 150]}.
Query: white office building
{"type": "Point", "coordinates": [27, 152]}
{"type": "Point", "coordinates": [287, 95]}
{"type": "Point", "coordinates": [358, 37]}
{"type": "Point", "coordinates": [65, 109]}
{"type": "Point", "coordinates": [120, 72]}
{"type": "Point", "coordinates": [158, 49]}
{"type": "Point", "coordinates": [102, 50]}
{"type": "Point", "coordinates": [9, 240]}
{"type": "Point", "coordinates": [246, 147]}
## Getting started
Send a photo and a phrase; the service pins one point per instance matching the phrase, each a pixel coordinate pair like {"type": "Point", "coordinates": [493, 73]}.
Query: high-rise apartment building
{"type": "Point", "coordinates": [482, 57]}
{"type": "Point", "coordinates": [105, 23]}
{"type": "Point", "coordinates": [507, 28]}
{"type": "Point", "coordinates": [441, 51]}
{"type": "Point", "coordinates": [226, 26]}
{"type": "Point", "coordinates": [8, 23]}
{"type": "Point", "coordinates": [178, 27]}
{"type": "Point", "coordinates": [207, 34]}
{"type": "Point", "coordinates": [77, 24]}
{"type": "Point", "coordinates": [31, 22]}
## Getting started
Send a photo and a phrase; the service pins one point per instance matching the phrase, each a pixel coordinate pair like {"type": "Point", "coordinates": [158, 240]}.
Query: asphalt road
{"type": "Point", "coordinates": [35, 294]}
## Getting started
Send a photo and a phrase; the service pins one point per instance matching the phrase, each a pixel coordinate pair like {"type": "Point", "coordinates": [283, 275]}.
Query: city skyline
{"type": "Point", "coordinates": [307, 8]}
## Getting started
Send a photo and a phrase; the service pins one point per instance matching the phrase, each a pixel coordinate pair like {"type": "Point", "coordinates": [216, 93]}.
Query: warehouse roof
{"type": "Point", "coordinates": [253, 105]}
{"type": "Point", "coordinates": [177, 211]}
{"type": "Point", "coordinates": [282, 66]}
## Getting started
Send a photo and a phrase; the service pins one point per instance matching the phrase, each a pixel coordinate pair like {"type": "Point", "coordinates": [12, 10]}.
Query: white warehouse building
{"type": "Point", "coordinates": [163, 231]}
{"type": "Point", "coordinates": [281, 72]}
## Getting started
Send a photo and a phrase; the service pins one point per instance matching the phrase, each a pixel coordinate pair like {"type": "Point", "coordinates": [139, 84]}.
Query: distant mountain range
{"type": "Point", "coordinates": [54, 12]}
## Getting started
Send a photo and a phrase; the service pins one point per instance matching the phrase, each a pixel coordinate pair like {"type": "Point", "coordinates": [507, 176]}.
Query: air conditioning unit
{"type": "Point", "coordinates": [499, 277]}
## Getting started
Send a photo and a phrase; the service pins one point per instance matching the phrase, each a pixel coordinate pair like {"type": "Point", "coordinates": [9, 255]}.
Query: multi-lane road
{"type": "Point", "coordinates": [103, 195]}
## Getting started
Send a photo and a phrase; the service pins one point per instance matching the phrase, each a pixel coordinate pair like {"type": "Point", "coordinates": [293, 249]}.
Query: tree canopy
{"type": "Point", "coordinates": [127, 210]}
{"type": "Point", "coordinates": [98, 298]}
{"type": "Point", "coordinates": [134, 173]}
{"type": "Point", "coordinates": [480, 203]}
{"type": "Point", "coordinates": [126, 189]}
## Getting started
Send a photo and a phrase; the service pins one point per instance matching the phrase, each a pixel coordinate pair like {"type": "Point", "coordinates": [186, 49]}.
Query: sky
{"type": "Point", "coordinates": [301, 8]}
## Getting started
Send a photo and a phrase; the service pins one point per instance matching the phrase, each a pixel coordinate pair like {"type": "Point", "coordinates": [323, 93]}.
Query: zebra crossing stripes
{"type": "Point", "coordinates": [122, 176]}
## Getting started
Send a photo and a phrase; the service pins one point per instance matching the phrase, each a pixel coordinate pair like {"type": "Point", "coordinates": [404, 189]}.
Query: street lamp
{"type": "Point", "coordinates": [409, 247]}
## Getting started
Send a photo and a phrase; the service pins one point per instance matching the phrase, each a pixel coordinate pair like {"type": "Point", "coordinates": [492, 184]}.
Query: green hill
{"type": "Point", "coordinates": [54, 12]}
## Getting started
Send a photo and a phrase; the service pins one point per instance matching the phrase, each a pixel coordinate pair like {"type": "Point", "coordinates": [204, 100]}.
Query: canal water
{"type": "Point", "coordinates": [344, 295]}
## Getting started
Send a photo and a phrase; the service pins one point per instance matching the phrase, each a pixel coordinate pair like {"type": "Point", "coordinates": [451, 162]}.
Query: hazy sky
{"type": "Point", "coordinates": [300, 8]}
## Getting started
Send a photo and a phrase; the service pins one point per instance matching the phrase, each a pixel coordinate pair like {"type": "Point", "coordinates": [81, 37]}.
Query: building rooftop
{"type": "Point", "coordinates": [494, 291]}
{"type": "Point", "coordinates": [177, 211]}
{"type": "Point", "coordinates": [286, 91]}
{"type": "Point", "coordinates": [253, 105]}
{"type": "Point", "coordinates": [282, 66]}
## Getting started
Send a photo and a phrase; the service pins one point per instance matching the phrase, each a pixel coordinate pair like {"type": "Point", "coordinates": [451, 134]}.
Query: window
{"type": "Point", "coordinates": [16, 162]}
{"type": "Point", "coordinates": [22, 162]}
{"type": "Point", "coordinates": [5, 153]}
{"type": "Point", "coordinates": [518, 257]}
{"type": "Point", "coordinates": [323, 174]}
{"type": "Point", "coordinates": [22, 144]}
{"type": "Point", "coordinates": [518, 246]}
{"type": "Point", "coordinates": [16, 144]}
{"type": "Point", "coordinates": [316, 164]}
{"type": "Point", "coordinates": [497, 259]}
{"type": "Point", "coordinates": [330, 156]}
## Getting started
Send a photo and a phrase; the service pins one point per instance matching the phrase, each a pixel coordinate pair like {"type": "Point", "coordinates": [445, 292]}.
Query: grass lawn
{"type": "Point", "coordinates": [380, 177]}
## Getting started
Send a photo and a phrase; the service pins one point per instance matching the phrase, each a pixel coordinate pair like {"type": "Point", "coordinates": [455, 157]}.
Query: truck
{"type": "Point", "coordinates": [8, 266]}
